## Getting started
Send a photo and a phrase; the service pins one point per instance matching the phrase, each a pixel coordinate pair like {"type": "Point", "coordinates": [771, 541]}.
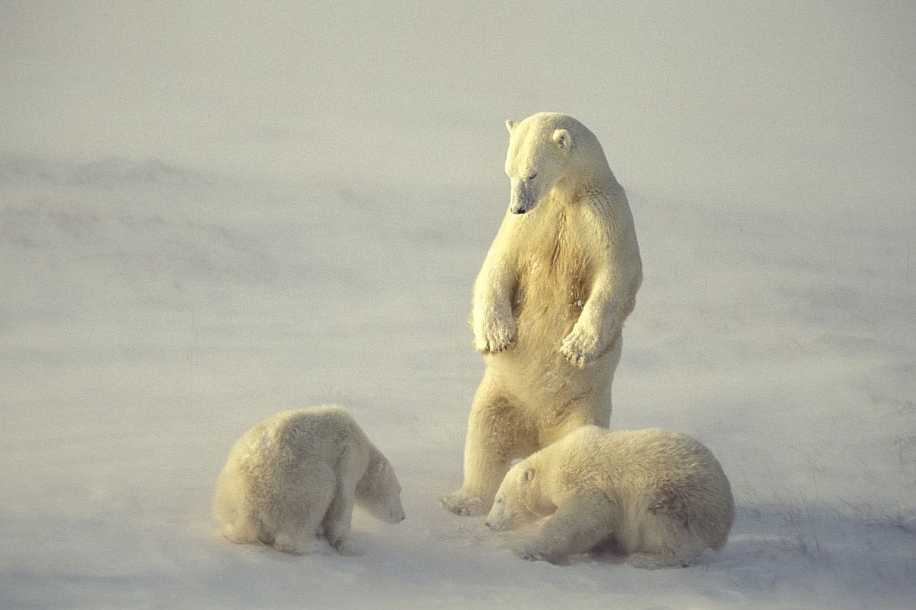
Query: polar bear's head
{"type": "Point", "coordinates": [379, 491]}
{"type": "Point", "coordinates": [548, 151]}
{"type": "Point", "coordinates": [519, 499]}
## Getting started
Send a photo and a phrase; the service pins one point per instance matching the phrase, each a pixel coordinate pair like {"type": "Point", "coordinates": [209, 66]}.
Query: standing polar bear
{"type": "Point", "coordinates": [297, 474]}
{"type": "Point", "coordinates": [659, 497]}
{"type": "Point", "coordinates": [549, 303]}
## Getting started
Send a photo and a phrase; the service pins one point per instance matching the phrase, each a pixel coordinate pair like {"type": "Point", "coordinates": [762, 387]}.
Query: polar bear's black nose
{"type": "Point", "coordinates": [520, 211]}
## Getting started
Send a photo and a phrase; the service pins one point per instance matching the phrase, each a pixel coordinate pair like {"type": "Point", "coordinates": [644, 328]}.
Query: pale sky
{"type": "Point", "coordinates": [689, 99]}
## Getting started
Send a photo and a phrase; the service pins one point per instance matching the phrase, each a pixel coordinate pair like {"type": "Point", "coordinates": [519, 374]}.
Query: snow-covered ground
{"type": "Point", "coordinates": [207, 215]}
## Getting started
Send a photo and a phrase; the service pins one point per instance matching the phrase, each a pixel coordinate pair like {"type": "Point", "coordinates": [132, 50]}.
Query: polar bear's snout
{"type": "Point", "coordinates": [522, 195]}
{"type": "Point", "coordinates": [498, 525]}
{"type": "Point", "coordinates": [499, 518]}
{"type": "Point", "coordinates": [495, 524]}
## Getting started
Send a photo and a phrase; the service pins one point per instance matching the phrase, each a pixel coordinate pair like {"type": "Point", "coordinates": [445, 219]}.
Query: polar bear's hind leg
{"type": "Point", "coordinates": [666, 542]}
{"type": "Point", "coordinates": [497, 433]}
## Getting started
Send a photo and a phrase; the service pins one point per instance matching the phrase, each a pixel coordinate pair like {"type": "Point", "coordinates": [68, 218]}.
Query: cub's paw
{"type": "Point", "coordinates": [531, 551]}
{"type": "Point", "coordinates": [580, 348]}
{"type": "Point", "coordinates": [495, 335]}
{"type": "Point", "coordinates": [529, 554]}
{"type": "Point", "coordinates": [464, 505]}
{"type": "Point", "coordinates": [652, 561]}
{"type": "Point", "coordinates": [294, 545]}
{"type": "Point", "coordinates": [346, 548]}
{"type": "Point", "coordinates": [239, 535]}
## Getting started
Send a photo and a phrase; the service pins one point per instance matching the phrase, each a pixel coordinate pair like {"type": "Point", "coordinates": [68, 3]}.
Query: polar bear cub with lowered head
{"type": "Point", "coordinates": [660, 497]}
{"type": "Point", "coordinates": [297, 474]}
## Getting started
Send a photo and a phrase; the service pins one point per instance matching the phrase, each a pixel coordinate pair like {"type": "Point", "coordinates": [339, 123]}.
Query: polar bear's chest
{"type": "Point", "coordinates": [553, 278]}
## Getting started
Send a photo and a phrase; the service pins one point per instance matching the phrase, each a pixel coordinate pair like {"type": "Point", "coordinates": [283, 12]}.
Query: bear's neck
{"type": "Point", "coordinates": [594, 182]}
{"type": "Point", "coordinates": [372, 467]}
{"type": "Point", "coordinates": [375, 456]}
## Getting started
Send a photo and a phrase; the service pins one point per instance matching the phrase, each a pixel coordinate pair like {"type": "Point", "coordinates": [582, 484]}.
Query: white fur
{"type": "Point", "coordinates": [549, 303]}
{"type": "Point", "coordinates": [297, 474]}
{"type": "Point", "coordinates": [660, 497]}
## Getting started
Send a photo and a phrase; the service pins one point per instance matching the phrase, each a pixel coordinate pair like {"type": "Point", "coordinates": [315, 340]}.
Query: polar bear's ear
{"type": "Point", "coordinates": [529, 475]}
{"type": "Point", "coordinates": [563, 139]}
{"type": "Point", "coordinates": [510, 125]}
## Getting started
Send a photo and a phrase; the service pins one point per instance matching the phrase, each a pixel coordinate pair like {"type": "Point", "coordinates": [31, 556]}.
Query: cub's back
{"type": "Point", "coordinates": [296, 435]}
{"type": "Point", "coordinates": [640, 458]}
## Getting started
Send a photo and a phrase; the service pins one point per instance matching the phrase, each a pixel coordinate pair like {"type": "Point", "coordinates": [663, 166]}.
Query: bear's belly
{"type": "Point", "coordinates": [552, 289]}
{"type": "Point", "coordinates": [546, 308]}
{"type": "Point", "coordinates": [533, 369]}
{"type": "Point", "coordinates": [542, 324]}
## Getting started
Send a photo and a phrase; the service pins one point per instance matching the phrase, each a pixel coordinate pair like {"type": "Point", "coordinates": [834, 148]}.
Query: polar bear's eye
{"type": "Point", "coordinates": [532, 176]}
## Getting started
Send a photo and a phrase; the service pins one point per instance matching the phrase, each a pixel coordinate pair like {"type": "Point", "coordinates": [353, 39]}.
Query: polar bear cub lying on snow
{"type": "Point", "coordinates": [660, 497]}
{"type": "Point", "coordinates": [297, 474]}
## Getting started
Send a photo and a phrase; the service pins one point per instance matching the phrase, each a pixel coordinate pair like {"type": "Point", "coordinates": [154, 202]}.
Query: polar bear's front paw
{"type": "Point", "coordinates": [579, 348]}
{"type": "Point", "coordinates": [652, 561]}
{"type": "Point", "coordinates": [495, 335]}
{"type": "Point", "coordinates": [529, 555]}
{"type": "Point", "coordinates": [347, 548]}
{"type": "Point", "coordinates": [292, 544]}
{"type": "Point", "coordinates": [464, 505]}
{"type": "Point", "coordinates": [530, 550]}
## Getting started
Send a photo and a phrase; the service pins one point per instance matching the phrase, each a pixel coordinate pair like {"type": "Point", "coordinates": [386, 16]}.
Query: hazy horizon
{"type": "Point", "coordinates": [809, 101]}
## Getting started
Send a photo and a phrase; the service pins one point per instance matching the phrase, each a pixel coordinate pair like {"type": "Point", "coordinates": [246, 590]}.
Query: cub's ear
{"type": "Point", "coordinates": [529, 475]}
{"type": "Point", "coordinates": [563, 139]}
{"type": "Point", "coordinates": [510, 125]}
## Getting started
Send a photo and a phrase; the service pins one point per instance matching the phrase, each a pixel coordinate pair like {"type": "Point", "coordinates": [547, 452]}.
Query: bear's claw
{"type": "Point", "coordinates": [497, 335]}
{"type": "Point", "coordinates": [650, 561]}
{"type": "Point", "coordinates": [529, 551]}
{"type": "Point", "coordinates": [294, 545]}
{"type": "Point", "coordinates": [347, 548]}
{"type": "Point", "coordinates": [494, 343]}
{"type": "Point", "coordinates": [579, 348]}
{"type": "Point", "coordinates": [463, 505]}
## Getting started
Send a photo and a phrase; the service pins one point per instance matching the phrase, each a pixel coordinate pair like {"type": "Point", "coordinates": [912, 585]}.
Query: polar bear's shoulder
{"type": "Point", "coordinates": [319, 419]}
{"type": "Point", "coordinates": [327, 414]}
{"type": "Point", "coordinates": [620, 451]}
{"type": "Point", "coordinates": [308, 426]}
{"type": "Point", "coordinates": [640, 441]}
